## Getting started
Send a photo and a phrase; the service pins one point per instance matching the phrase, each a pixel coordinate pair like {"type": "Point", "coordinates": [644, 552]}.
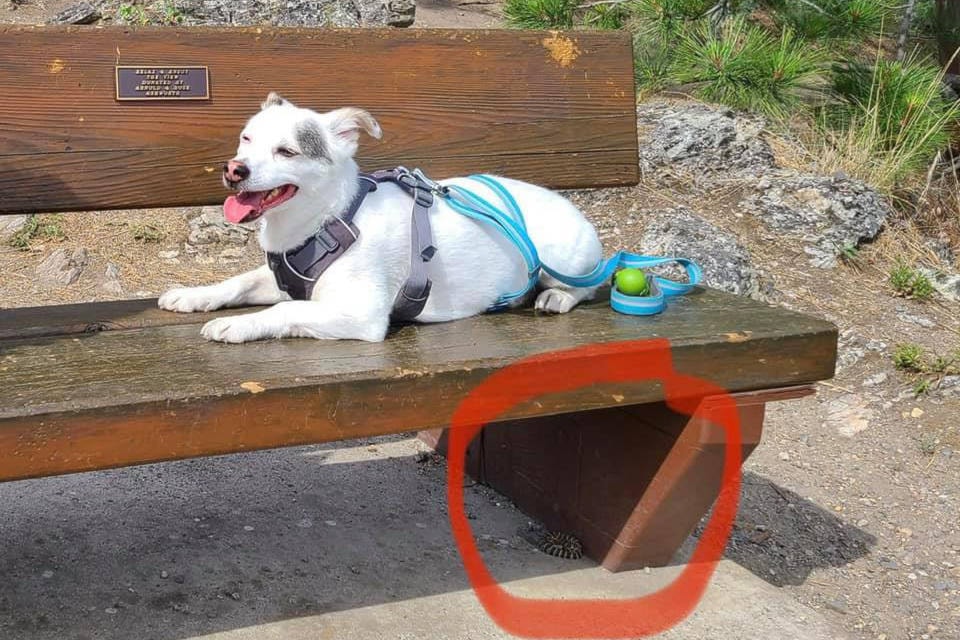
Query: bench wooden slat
{"type": "Point", "coordinates": [561, 111]}
{"type": "Point", "coordinates": [72, 403]}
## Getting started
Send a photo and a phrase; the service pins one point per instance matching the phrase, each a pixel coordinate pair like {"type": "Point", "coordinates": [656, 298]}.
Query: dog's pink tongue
{"type": "Point", "coordinates": [239, 207]}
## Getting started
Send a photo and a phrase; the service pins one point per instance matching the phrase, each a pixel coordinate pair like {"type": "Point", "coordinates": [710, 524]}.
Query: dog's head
{"type": "Point", "coordinates": [285, 150]}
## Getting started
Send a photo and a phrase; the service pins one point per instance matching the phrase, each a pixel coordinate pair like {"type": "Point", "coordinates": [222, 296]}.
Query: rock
{"type": "Point", "coordinates": [10, 225]}
{"type": "Point", "coordinates": [702, 140]}
{"type": "Point", "coordinates": [848, 414]}
{"type": "Point", "coordinates": [725, 262]}
{"type": "Point", "coordinates": [947, 285]}
{"type": "Point", "coordinates": [297, 13]}
{"type": "Point", "coordinates": [829, 214]}
{"type": "Point", "coordinates": [942, 248]}
{"type": "Point", "coordinates": [926, 323]}
{"type": "Point", "coordinates": [62, 266]}
{"type": "Point", "coordinates": [950, 385]}
{"type": "Point", "coordinates": [233, 254]}
{"type": "Point", "coordinates": [111, 280]}
{"type": "Point", "coordinates": [168, 255]}
{"type": "Point", "coordinates": [401, 13]}
{"type": "Point", "coordinates": [875, 380]}
{"type": "Point", "coordinates": [80, 13]}
{"type": "Point", "coordinates": [210, 227]}
{"type": "Point", "coordinates": [852, 347]}
{"type": "Point", "coordinates": [837, 604]}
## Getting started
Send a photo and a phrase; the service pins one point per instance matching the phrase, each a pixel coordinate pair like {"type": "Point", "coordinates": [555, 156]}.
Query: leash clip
{"type": "Point", "coordinates": [434, 187]}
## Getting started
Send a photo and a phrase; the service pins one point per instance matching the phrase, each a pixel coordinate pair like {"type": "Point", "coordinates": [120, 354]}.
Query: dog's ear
{"type": "Point", "coordinates": [346, 124]}
{"type": "Point", "coordinates": [274, 99]}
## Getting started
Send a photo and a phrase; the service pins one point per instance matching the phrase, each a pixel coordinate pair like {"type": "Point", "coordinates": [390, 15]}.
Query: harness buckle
{"type": "Point", "coordinates": [423, 197]}
{"type": "Point", "coordinates": [434, 187]}
{"type": "Point", "coordinates": [326, 240]}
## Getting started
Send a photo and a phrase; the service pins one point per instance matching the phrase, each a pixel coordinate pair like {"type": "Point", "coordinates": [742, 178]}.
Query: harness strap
{"type": "Point", "coordinates": [298, 270]}
{"type": "Point", "coordinates": [413, 295]}
{"type": "Point", "coordinates": [513, 227]}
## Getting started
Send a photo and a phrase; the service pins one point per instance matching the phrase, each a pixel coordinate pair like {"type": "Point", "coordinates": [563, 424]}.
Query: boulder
{"type": "Point", "coordinates": [10, 225]}
{"type": "Point", "coordinates": [62, 267]}
{"type": "Point", "coordinates": [828, 214]}
{"type": "Point", "coordinates": [295, 13]}
{"type": "Point", "coordinates": [80, 13]}
{"type": "Point", "coordinates": [210, 227]}
{"type": "Point", "coordinates": [725, 262]}
{"type": "Point", "coordinates": [701, 139]}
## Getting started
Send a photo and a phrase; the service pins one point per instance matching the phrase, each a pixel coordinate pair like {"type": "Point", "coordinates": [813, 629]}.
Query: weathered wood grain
{"type": "Point", "coordinates": [557, 109]}
{"type": "Point", "coordinates": [113, 398]}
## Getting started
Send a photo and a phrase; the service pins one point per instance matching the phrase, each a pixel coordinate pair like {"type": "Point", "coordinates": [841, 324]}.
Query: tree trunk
{"type": "Point", "coordinates": [905, 25]}
{"type": "Point", "coordinates": [948, 33]}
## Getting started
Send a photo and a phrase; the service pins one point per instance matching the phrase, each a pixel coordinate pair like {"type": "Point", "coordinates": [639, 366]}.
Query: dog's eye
{"type": "Point", "coordinates": [286, 153]}
{"type": "Point", "coordinates": [245, 138]}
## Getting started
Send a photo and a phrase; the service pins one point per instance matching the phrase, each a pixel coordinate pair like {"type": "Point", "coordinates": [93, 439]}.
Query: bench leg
{"type": "Point", "coordinates": [631, 483]}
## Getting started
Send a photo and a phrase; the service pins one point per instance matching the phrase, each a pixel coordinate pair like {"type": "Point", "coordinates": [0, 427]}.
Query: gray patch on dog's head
{"type": "Point", "coordinates": [310, 139]}
{"type": "Point", "coordinates": [273, 100]}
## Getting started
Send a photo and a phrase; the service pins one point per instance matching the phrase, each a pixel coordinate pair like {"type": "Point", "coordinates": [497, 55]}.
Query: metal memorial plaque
{"type": "Point", "coordinates": [163, 83]}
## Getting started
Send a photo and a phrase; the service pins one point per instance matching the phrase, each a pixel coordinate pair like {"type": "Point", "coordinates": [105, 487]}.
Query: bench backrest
{"type": "Point", "coordinates": [553, 108]}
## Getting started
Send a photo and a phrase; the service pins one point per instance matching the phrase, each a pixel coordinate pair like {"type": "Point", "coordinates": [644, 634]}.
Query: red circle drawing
{"type": "Point", "coordinates": [567, 370]}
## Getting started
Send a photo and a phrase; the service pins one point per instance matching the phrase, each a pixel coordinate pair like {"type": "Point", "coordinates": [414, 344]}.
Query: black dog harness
{"type": "Point", "coordinates": [298, 270]}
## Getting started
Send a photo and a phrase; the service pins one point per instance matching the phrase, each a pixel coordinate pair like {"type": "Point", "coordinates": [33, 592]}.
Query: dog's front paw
{"type": "Point", "coordinates": [188, 300]}
{"type": "Point", "coordinates": [235, 329]}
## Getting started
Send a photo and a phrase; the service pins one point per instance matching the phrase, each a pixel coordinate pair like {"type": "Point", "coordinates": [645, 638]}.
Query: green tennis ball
{"type": "Point", "coordinates": [632, 282]}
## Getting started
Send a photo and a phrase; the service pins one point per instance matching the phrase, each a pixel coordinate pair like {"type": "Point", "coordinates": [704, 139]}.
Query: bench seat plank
{"type": "Point", "coordinates": [556, 109]}
{"type": "Point", "coordinates": [86, 401]}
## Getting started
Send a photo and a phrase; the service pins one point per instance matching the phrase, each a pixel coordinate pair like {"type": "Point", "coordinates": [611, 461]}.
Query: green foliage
{"type": "Point", "coordinates": [38, 228]}
{"type": "Point", "coordinates": [888, 121]}
{"type": "Point", "coordinates": [909, 357]}
{"type": "Point", "coordinates": [907, 281]}
{"type": "Point", "coordinates": [941, 364]}
{"type": "Point", "coordinates": [132, 14]}
{"type": "Point", "coordinates": [608, 16]}
{"type": "Point", "coordinates": [147, 233]}
{"type": "Point", "coordinates": [170, 12]}
{"type": "Point", "coordinates": [925, 19]}
{"type": "Point", "coordinates": [741, 65]}
{"type": "Point", "coordinates": [663, 21]}
{"type": "Point", "coordinates": [652, 65]}
{"type": "Point", "coordinates": [850, 255]}
{"type": "Point", "coordinates": [843, 20]}
{"type": "Point", "coordinates": [881, 121]}
{"type": "Point", "coordinates": [540, 14]}
{"type": "Point", "coordinates": [907, 96]}
{"type": "Point", "coordinates": [162, 12]}
{"type": "Point", "coordinates": [925, 375]}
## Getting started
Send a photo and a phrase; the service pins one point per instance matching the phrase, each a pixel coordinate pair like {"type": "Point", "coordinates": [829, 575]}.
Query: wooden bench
{"type": "Point", "coordinates": [96, 386]}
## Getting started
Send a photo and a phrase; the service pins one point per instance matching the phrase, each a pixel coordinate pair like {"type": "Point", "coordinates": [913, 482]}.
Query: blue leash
{"type": "Point", "coordinates": [513, 226]}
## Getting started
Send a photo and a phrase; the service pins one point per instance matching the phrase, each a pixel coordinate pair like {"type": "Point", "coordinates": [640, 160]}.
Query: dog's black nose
{"type": "Point", "coordinates": [235, 171]}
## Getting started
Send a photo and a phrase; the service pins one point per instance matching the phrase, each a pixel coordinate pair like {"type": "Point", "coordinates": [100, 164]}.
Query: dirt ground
{"type": "Point", "coordinates": [850, 504]}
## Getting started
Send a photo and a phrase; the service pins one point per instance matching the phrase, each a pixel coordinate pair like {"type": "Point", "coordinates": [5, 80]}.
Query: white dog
{"type": "Point", "coordinates": [295, 168]}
